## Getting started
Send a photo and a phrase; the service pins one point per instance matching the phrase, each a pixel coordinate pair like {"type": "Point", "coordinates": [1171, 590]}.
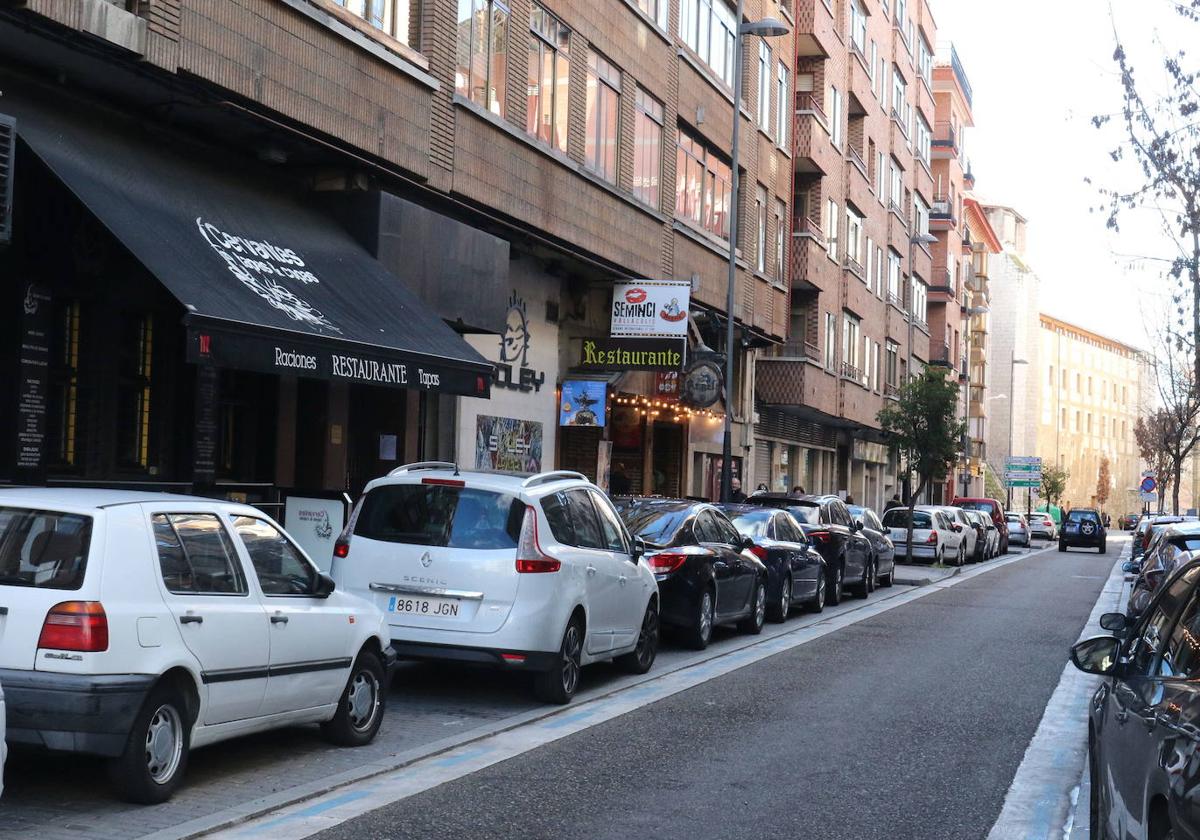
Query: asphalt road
{"type": "Point", "coordinates": [910, 724]}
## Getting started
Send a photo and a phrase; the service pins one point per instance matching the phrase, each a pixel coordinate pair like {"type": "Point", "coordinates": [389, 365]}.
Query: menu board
{"type": "Point", "coordinates": [33, 378]}
{"type": "Point", "coordinates": [204, 445]}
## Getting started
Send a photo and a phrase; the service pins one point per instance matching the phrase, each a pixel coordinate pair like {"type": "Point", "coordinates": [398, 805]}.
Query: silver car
{"type": "Point", "coordinates": [1018, 529]}
{"type": "Point", "coordinates": [1042, 525]}
{"type": "Point", "coordinates": [3, 746]}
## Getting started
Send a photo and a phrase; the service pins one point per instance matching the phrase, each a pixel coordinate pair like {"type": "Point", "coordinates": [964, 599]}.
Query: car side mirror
{"type": "Point", "coordinates": [1114, 622]}
{"type": "Point", "coordinates": [1097, 655]}
{"type": "Point", "coordinates": [745, 543]}
{"type": "Point", "coordinates": [639, 550]}
{"type": "Point", "coordinates": [325, 585]}
{"type": "Point", "coordinates": [1127, 567]}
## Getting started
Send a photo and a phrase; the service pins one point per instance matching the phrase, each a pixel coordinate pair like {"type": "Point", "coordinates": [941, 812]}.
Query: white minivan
{"type": "Point", "coordinates": [524, 572]}
{"type": "Point", "coordinates": [136, 626]}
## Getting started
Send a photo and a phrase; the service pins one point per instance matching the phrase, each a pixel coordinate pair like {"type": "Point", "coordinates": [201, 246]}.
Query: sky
{"type": "Point", "coordinates": [1040, 71]}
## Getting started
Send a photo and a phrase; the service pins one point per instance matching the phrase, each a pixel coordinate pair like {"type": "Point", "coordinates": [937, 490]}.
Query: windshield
{"type": "Point", "coordinates": [753, 525]}
{"type": "Point", "coordinates": [653, 524]}
{"type": "Point", "coordinates": [1013, 517]}
{"type": "Point", "coordinates": [984, 506]}
{"type": "Point", "coordinates": [43, 549]}
{"type": "Point", "coordinates": [898, 518]}
{"type": "Point", "coordinates": [806, 514]}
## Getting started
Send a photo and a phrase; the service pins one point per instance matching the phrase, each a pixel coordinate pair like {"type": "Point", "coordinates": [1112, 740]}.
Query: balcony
{"type": "Point", "coordinates": [808, 246]}
{"type": "Point", "coordinates": [813, 152]}
{"type": "Point", "coordinates": [940, 355]}
{"type": "Point", "coordinates": [941, 214]}
{"type": "Point", "coordinates": [854, 266]}
{"type": "Point", "coordinates": [849, 371]}
{"type": "Point", "coordinates": [820, 41]}
{"type": "Point", "coordinates": [978, 403]}
{"type": "Point", "coordinates": [945, 142]}
{"type": "Point", "coordinates": [891, 391]}
{"type": "Point", "coordinates": [942, 288]}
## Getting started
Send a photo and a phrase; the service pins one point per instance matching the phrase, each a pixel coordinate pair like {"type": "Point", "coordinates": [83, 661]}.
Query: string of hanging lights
{"type": "Point", "coordinates": [657, 407]}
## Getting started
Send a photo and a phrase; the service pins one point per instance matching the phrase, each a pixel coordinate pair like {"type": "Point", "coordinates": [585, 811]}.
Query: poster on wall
{"type": "Point", "coordinates": [505, 443]}
{"type": "Point", "coordinates": [33, 379]}
{"type": "Point", "coordinates": [583, 403]}
{"type": "Point", "coordinates": [315, 524]}
{"type": "Point", "coordinates": [651, 308]}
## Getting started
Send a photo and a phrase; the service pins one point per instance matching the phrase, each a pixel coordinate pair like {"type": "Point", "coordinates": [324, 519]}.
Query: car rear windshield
{"type": "Point", "coordinates": [437, 515]}
{"type": "Point", "coordinates": [653, 524]}
{"type": "Point", "coordinates": [806, 514]}
{"type": "Point", "coordinates": [753, 525]}
{"type": "Point", "coordinates": [898, 518]}
{"type": "Point", "coordinates": [1012, 517]}
{"type": "Point", "coordinates": [1082, 516]}
{"type": "Point", "coordinates": [43, 549]}
{"type": "Point", "coordinates": [986, 507]}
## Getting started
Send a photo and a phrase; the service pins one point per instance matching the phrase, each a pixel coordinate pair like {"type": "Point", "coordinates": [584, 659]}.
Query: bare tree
{"type": "Point", "coordinates": [1103, 483]}
{"type": "Point", "coordinates": [1151, 434]}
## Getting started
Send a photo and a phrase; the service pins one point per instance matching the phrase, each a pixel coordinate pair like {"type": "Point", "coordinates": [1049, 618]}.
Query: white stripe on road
{"type": "Point", "coordinates": [353, 800]}
{"type": "Point", "coordinates": [1040, 803]}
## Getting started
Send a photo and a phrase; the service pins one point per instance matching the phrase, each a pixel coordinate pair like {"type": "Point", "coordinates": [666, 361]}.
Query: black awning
{"type": "Point", "coordinates": [269, 282]}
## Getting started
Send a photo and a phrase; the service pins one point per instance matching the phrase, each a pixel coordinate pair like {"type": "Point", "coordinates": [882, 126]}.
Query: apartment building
{"type": "Point", "coordinates": [1089, 402]}
{"type": "Point", "coordinates": [860, 277]}
{"type": "Point", "coordinates": [273, 248]}
{"type": "Point", "coordinates": [1013, 395]}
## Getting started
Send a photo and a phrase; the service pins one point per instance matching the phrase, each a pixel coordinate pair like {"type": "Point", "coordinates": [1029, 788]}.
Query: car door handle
{"type": "Point", "coordinates": [3, 610]}
{"type": "Point", "coordinates": [191, 619]}
{"type": "Point", "coordinates": [1121, 715]}
{"type": "Point", "coordinates": [279, 619]}
{"type": "Point", "coordinates": [591, 570]}
{"type": "Point", "coordinates": [622, 579]}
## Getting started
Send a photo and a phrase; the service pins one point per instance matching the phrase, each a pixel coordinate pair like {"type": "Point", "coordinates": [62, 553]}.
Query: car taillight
{"type": "Point", "coordinates": [933, 538]}
{"type": "Point", "coordinates": [75, 625]}
{"type": "Point", "coordinates": [530, 559]}
{"type": "Point", "coordinates": [759, 552]}
{"type": "Point", "coordinates": [666, 561]}
{"type": "Point", "coordinates": [821, 536]}
{"type": "Point", "coordinates": [444, 482]}
{"type": "Point", "coordinates": [341, 548]}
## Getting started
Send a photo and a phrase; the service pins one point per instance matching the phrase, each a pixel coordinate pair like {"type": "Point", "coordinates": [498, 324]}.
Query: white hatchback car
{"type": "Point", "coordinates": [136, 626]}
{"type": "Point", "coordinates": [534, 573]}
{"type": "Point", "coordinates": [934, 537]}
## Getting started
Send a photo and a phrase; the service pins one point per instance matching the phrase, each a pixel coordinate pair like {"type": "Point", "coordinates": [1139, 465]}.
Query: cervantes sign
{"type": "Point", "coordinates": [617, 354]}
{"type": "Point", "coordinates": [651, 309]}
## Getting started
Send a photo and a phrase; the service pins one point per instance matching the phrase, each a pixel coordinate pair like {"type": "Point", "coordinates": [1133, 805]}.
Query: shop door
{"type": "Point", "coordinates": [312, 412]}
{"type": "Point", "coordinates": [668, 459]}
{"type": "Point", "coordinates": [762, 464]}
{"type": "Point", "coordinates": [376, 433]}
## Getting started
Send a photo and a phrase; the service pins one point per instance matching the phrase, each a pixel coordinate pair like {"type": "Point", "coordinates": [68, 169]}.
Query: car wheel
{"type": "Point", "coordinates": [151, 767]}
{"type": "Point", "coordinates": [889, 579]}
{"type": "Point", "coordinates": [817, 604]}
{"type": "Point", "coordinates": [961, 558]}
{"type": "Point", "coordinates": [700, 633]}
{"type": "Point", "coordinates": [866, 585]}
{"type": "Point", "coordinates": [1062, 546]}
{"type": "Point", "coordinates": [639, 660]}
{"type": "Point", "coordinates": [833, 596]}
{"type": "Point", "coordinates": [558, 685]}
{"type": "Point", "coordinates": [753, 623]}
{"type": "Point", "coordinates": [781, 608]}
{"type": "Point", "coordinates": [360, 710]}
{"type": "Point", "coordinates": [1104, 546]}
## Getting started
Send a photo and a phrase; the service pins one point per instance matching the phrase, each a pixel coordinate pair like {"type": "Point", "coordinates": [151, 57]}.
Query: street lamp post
{"type": "Point", "coordinates": [765, 28]}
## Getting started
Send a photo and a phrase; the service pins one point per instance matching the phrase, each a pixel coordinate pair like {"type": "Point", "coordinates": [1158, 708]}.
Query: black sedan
{"type": "Point", "coordinates": [1169, 549]}
{"type": "Point", "coordinates": [795, 570]}
{"type": "Point", "coordinates": [1144, 732]}
{"type": "Point", "coordinates": [706, 573]}
{"type": "Point", "coordinates": [883, 550]}
{"type": "Point", "coordinates": [1083, 528]}
{"type": "Point", "coordinates": [827, 522]}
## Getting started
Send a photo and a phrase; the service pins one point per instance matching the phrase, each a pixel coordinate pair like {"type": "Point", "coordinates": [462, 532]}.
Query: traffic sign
{"type": "Point", "coordinates": [1024, 459]}
{"type": "Point", "coordinates": [1149, 487]}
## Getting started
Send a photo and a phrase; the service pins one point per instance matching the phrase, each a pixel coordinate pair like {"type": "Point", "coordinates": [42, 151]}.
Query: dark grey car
{"type": "Point", "coordinates": [882, 547]}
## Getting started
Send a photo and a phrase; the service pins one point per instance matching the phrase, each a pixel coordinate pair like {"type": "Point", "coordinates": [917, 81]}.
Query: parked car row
{"type": "Point", "coordinates": [944, 534]}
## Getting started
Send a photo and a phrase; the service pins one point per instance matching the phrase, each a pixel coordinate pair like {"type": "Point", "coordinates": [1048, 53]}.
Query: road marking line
{"type": "Point", "coordinates": [1040, 802]}
{"type": "Point", "coordinates": [299, 820]}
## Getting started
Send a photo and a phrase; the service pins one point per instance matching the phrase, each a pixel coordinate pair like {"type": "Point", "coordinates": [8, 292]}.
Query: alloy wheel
{"type": "Point", "coordinates": [363, 700]}
{"type": "Point", "coordinates": [706, 616]}
{"type": "Point", "coordinates": [647, 642]}
{"type": "Point", "coordinates": [164, 743]}
{"type": "Point", "coordinates": [760, 605]}
{"type": "Point", "coordinates": [571, 649]}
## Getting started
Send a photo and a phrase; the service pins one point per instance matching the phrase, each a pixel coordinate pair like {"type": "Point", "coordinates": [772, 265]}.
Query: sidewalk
{"type": "Point", "coordinates": [923, 574]}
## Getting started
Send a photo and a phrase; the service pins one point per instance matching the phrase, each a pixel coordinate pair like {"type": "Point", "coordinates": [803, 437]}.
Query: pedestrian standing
{"type": "Point", "coordinates": [893, 502]}
{"type": "Point", "coordinates": [737, 496]}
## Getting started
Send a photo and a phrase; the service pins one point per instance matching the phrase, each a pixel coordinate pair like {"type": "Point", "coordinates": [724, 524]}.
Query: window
{"type": "Point", "coordinates": [919, 295]}
{"type": "Point", "coordinates": [893, 287]}
{"type": "Point", "coordinates": [1078, 421]}
{"type": "Point", "coordinates": [899, 94]}
{"type": "Point", "coordinates": [647, 148]}
{"type": "Point", "coordinates": [924, 140]}
{"type": "Point", "coordinates": [854, 232]}
{"type": "Point", "coordinates": [850, 346]}
{"type": "Point", "coordinates": [830, 341]}
{"type": "Point", "coordinates": [1183, 649]}
{"type": "Point", "coordinates": [1079, 383]}
{"type": "Point", "coordinates": [1064, 380]}
{"type": "Point", "coordinates": [397, 18]}
{"type": "Point", "coordinates": [446, 517]}
{"type": "Point", "coordinates": [1051, 383]}
{"type": "Point", "coordinates": [656, 10]}
{"type": "Point", "coordinates": [892, 365]}
{"type": "Point", "coordinates": [280, 567]}
{"type": "Point", "coordinates": [136, 352]}
{"type": "Point", "coordinates": [549, 79]}
{"type": "Point", "coordinates": [1089, 386]}
{"type": "Point", "coordinates": [858, 26]}
{"type": "Point", "coordinates": [780, 242]}
{"type": "Point", "coordinates": [1089, 422]}
{"type": "Point", "coordinates": [760, 206]}
{"type": "Point", "coordinates": [880, 178]}
{"type": "Point", "coordinates": [610, 524]}
{"type": "Point", "coordinates": [43, 549]}
{"type": "Point", "coordinates": [835, 116]}
{"type": "Point", "coordinates": [1062, 419]}
{"type": "Point", "coordinates": [1153, 632]}
{"type": "Point", "coordinates": [879, 269]}
{"type": "Point", "coordinates": [920, 214]}
{"type": "Point", "coordinates": [708, 27]}
{"type": "Point", "coordinates": [874, 65]}
{"type": "Point", "coordinates": [196, 556]}
{"type": "Point", "coordinates": [831, 229]}
{"type": "Point", "coordinates": [783, 109]}
{"type": "Point", "coordinates": [764, 85]}
{"type": "Point", "coordinates": [703, 191]}
{"type": "Point", "coordinates": [482, 69]}
{"type": "Point", "coordinates": [603, 110]}
{"type": "Point", "coordinates": [896, 194]}
{"type": "Point", "coordinates": [925, 61]}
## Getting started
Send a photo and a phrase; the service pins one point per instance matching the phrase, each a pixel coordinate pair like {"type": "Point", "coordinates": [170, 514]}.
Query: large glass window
{"type": "Point", "coordinates": [703, 186]}
{"type": "Point", "coordinates": [548, 79]}
{"type": "Point", "coordinates": [482, 71]}
{"type": "Point", "coordinates": [397, 18]}
{"type": "Point", "coordinates": [657, 10]}
{"type": "Point", "coordinates": [603, 112]}
{"type": "Point", "coordinates": [858, 25]}
{"type": "Point", "coordinates": [647, 148]}
{"type": "Point", "coordinates": [893, 281]}
{"type": "Point", "coordinates": [835, 116]}
{"type": "Point", "coordinates": [831, 228]}
{"type": "Point", "coordinates": [854, 232]}
{"type": "Point", "coordinates": [708, 27]}
{"type": "Point", "coordinates": [830, 341]}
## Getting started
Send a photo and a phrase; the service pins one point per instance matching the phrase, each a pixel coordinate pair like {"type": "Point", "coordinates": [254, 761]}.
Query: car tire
{"type": "Point", "coordinates": [833, 595]}
{"type": "Point", "coordinates": [960, 559]}
{"type": "Point", "coordinates": [780, 609]}
{"type": "Point", "coordinates": [1104, 546]}
{"type": "Point", "coordinates": [559, 684]}
{"type": "Point", "coordinates": [699, 634]}
{"type": "Point", "coordinates": [864, 588]}
{"type": "Point", "coordinates": [1062, 546]}
{"type": "Point", "coordinates": [641, 658]}
{"type": "Point", "coordinates": [360, 709]}
{"type": "Point", "coordinates": [753, 623]}
{"type": "Point", "coordinates": [817, 604]}
{"type": "Point", "coordinates": [152, 765]}
{"type": "Point", "coordinates": [889, 580]}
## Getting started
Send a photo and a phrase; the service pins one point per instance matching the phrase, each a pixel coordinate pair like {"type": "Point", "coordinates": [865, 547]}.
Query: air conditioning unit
{"type": "Point", "coordinates": [8, 149]}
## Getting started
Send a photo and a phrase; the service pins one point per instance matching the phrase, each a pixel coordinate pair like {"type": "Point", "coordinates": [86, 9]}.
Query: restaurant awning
{"type": "Point", "coordinates": [269, 282]}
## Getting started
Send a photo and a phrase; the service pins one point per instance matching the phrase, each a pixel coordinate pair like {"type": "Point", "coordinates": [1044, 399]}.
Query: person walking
{"type": "Point", "coordinates": [893, 502]}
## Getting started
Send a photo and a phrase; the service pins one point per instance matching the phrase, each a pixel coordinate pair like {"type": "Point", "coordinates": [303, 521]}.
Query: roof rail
{"type": "Point", "coordinates": [547, 477]}
{"type": "Point", "coordinates": [424, 465]}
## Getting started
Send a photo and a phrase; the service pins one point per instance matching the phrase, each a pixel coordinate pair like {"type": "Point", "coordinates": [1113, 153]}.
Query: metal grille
{"type": "Point", "coordinates": [8, 140]}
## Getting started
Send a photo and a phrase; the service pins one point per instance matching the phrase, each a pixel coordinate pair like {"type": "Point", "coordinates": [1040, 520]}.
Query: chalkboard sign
{"type": "Point", "coordinates": [204, 446]}
{"type": "Point", "coordinates": [33, 378]}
